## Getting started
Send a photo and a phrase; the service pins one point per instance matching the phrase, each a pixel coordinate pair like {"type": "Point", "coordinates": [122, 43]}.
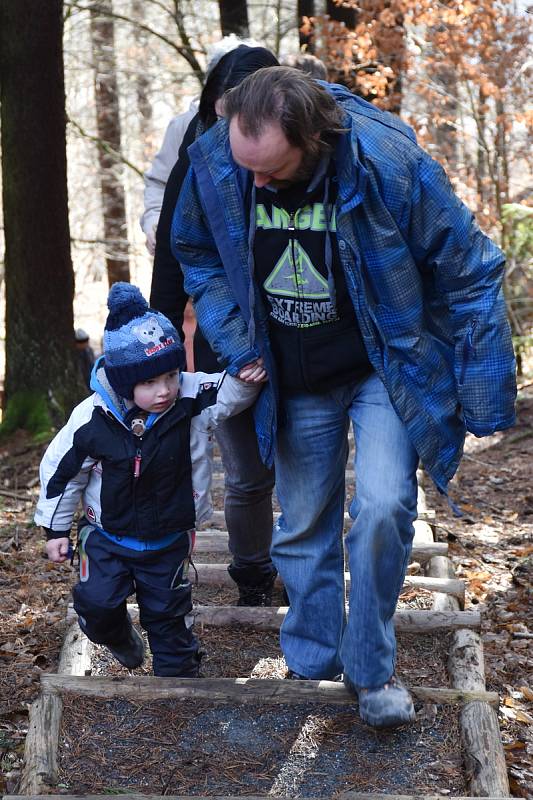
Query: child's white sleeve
{"type": "Point", "coordinates": [64, 473]}
{"type": "Point", "coordinates": [232, 397]}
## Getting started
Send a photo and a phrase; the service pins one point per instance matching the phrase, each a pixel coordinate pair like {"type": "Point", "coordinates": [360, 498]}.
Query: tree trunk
{"type": "Point", "coordinates": [342, 13]}
{"type": "Point", "coordinates": [233, 17]}
{"type": "Point", "coordinates": [481, 165]}
{"type": "Point", "coordinates": [43, 379]}
{"type": "Point", "coordinates": [389, 40]}
{"type": "Point", "coordinates": [108, 126]}
{"type": "Point", "coordinates": [306, 8]}
{"type": "Point", "coordinates": [446, 130]}
{"type": "Point", "coordinates": [142, 84]}
{"type": "Point", "coordinates": [383, 21]}
{"type": "Point", "coordinates": [444, 75]}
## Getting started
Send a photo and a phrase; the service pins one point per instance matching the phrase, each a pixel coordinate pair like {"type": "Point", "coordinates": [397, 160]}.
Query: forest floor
{"type": "Point", "coordinates": [491, 546]}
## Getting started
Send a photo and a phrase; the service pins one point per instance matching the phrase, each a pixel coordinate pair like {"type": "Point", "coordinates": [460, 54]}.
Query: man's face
{"type": "Point", "coordinates": [270, 157]}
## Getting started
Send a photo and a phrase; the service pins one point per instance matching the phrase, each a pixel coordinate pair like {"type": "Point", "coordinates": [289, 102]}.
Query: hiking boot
{"type": "Point", "coordinates": [192, 669]}
{"type": "Point", "coordinates": [129, 651]}
{"type": "Point", "coordinates": [186, 669]}
{"type": "Point", "coordinates": [387, 707]}
{"type": "Point", "coordinates": [254, 584]}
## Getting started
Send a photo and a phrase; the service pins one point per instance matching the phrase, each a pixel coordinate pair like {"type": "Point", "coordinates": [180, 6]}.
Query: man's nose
{"type": "Point", "coordinates": [260, 179]}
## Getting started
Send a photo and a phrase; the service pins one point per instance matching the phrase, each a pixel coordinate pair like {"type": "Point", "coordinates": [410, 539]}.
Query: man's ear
{"type": "Point", "coordinates": [219, 107]}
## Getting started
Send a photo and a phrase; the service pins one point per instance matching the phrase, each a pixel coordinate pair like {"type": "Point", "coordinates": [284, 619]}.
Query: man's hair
{"type": "Point", "coordinates": [307, 114]}
{"type": "Point", "coordinates": [306, 62]}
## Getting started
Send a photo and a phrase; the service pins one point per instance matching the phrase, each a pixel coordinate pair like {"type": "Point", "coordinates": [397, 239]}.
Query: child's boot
{"type": "Point", "coordinates": [129, 651]}
{"type": "Point", "coordinates": [255, 584]}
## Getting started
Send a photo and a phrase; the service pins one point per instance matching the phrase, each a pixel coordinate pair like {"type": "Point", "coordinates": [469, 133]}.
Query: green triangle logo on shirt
{"type": "Point", "coordinates": [301, 280]}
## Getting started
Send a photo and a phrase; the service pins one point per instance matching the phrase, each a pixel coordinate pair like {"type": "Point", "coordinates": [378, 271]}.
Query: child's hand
{"type": "Point", "coordinates": [57, 549]}
{"type": "Point", "coordinates": [254, 372]}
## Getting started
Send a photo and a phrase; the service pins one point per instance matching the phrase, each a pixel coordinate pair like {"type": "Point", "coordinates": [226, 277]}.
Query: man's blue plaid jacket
{"type": "Point", "coordinates": [424, 280]}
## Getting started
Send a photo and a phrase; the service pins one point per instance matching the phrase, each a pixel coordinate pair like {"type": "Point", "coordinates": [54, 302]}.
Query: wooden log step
{"type": "Point", "coordinates": [338, 796]}
{"type": "Point", "coordinates": [213, 541]}
{"type": "Point", "coordinates": [218, 519]}
{"type": "Point", "coordinates": [270, 619]}
{"type": "Point", "coordinates": [217, 575]}
{"type": "Point", "coordinates": [239, 690]}
{"type": "Point", "coordinates": [405, 621]}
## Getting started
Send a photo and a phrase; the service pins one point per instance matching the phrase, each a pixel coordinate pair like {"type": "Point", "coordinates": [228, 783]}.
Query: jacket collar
{"type": "Point", "coordinates": [352, 176]}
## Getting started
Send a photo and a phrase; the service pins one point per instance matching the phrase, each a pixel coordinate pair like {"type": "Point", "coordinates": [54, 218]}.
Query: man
{"type": "Point", "coordinates": [324, 249]}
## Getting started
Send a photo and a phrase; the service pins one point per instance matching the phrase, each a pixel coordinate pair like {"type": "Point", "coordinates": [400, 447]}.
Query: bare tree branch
{"type": "Point", "coordinates": [105, 146]}
{"type": "Point", "coordinates": [185, 51]}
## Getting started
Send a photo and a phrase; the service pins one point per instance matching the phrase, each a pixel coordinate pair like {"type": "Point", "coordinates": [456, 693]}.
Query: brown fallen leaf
{"type": "Point", "coordinates": [523, 716]}
{"type": "Point", "coordinates": [516, 745]}
{"type": "Point", "coordinates": [527, 692]}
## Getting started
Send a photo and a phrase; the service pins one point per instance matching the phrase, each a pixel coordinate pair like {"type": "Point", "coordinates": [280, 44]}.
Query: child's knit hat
{"type": "Point", "coordinates": [139, 343]}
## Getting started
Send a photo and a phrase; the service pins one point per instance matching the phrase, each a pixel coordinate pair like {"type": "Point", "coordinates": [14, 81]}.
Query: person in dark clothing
{"type": "Point", "coordinates": [249, 483]}
{"type": "Point", "coordinates": [85, 355]}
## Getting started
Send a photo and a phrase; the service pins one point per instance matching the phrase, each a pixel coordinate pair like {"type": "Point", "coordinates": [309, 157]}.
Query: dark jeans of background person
{"type": "Point", "coordinates": [248, 487]}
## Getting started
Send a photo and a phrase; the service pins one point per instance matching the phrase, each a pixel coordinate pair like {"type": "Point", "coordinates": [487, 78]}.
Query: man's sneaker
{"type": "Point", "coordinates": [387, 707]}
{"type": "Point", "coordinates": [254, 585]}
{"type": "Point", "coordinates": [130, 651]}
{"type": "Point", "coordinates": [295, 676]}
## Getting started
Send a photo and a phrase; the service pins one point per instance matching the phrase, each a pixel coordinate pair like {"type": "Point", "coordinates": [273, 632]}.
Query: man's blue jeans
{"type": "Point", "coordinates": [316, 638]}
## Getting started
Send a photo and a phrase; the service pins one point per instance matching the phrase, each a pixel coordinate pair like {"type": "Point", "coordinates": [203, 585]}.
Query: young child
{"type": "Point", "coordinates": [136, 454]}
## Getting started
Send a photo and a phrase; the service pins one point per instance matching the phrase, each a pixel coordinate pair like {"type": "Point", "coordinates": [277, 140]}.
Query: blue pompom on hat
{"type": "Point", "coordinates": [139, 343]}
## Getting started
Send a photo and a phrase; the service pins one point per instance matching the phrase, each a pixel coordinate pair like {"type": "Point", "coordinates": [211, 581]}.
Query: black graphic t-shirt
{"type": "Point", "coordinates": [317, 343]}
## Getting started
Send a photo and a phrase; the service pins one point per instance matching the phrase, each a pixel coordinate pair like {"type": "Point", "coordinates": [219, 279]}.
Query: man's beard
{"type": "Point", "coordinates": [303, 173]}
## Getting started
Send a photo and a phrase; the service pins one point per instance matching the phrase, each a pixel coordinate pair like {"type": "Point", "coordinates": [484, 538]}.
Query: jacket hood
{"type": "Point", "coordinates": [105, 395]}
{"type": "Point", "coordinates": [356, 105]}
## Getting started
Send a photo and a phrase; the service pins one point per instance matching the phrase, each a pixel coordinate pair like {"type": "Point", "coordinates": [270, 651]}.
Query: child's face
{"type": "Point", "coordinates": [157, 394]}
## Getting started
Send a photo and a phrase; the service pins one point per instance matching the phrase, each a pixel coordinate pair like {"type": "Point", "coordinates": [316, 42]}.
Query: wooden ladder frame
{"type": "Point", "coordinates": [486, 771]}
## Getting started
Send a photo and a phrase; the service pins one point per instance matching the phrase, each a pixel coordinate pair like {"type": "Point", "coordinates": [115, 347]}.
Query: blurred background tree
{"type": "Point", "coordinates": [42, 379]}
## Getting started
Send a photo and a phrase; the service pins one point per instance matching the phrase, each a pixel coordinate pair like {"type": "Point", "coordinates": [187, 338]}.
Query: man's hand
{"type": "Point", "coordinates": [253, 373]}
{"type": "Point", "coordinates": [57, 549]}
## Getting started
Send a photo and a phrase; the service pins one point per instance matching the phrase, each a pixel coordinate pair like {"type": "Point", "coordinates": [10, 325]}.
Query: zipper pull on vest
{"type": "Point", "coordinates": [137, 463]}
